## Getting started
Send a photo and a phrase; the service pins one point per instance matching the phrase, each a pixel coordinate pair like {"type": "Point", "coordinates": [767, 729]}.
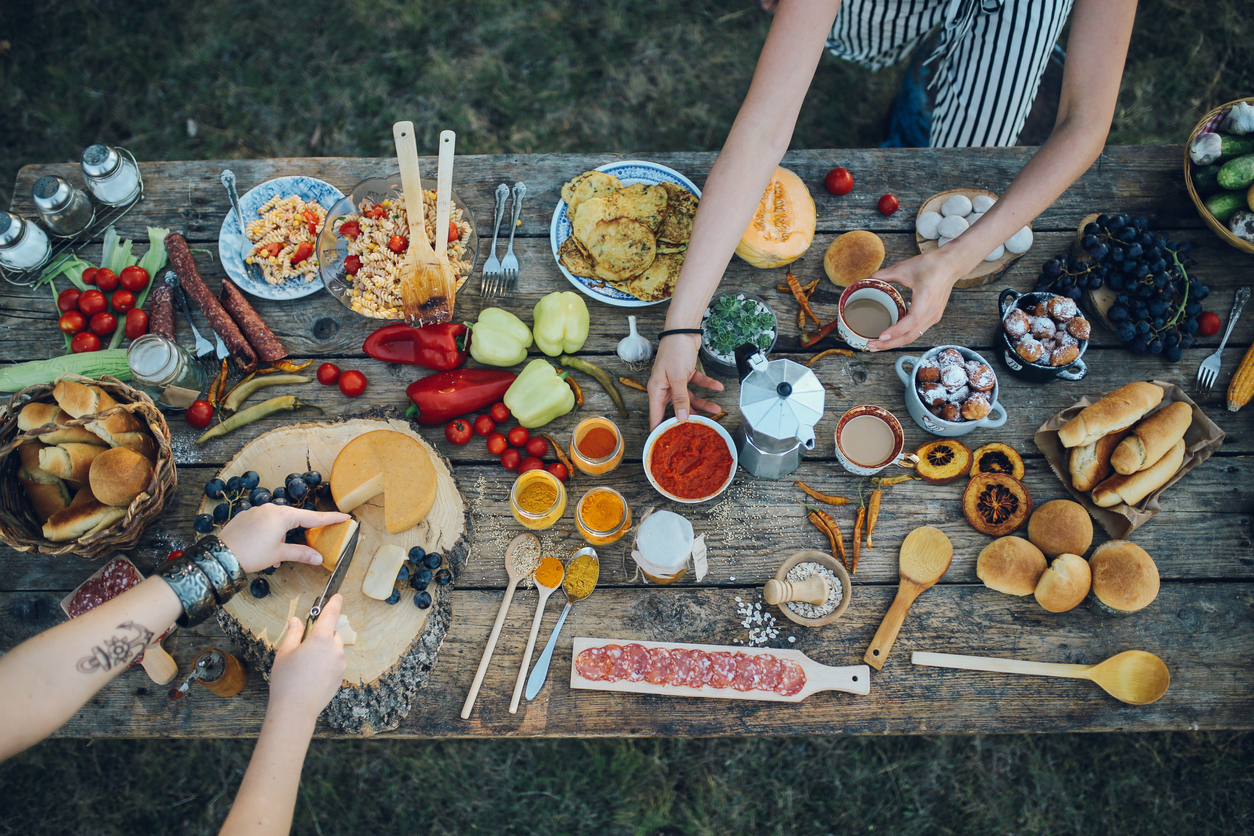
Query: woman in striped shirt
{"type": "Point", "coordinates": [991, 57]}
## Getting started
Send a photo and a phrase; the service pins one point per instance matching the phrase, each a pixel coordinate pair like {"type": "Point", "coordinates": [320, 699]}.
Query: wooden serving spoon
{"type": "Point", "coordinates": [925, 556]}
{"type": "Point", "coordinates": [545, 592]}
{"type": "Point", "coordinates": [514, 577]}
{"type": "Point", "coordinates": [1134, 676]}
{"type": "Point", "coordinates": [426, 293]}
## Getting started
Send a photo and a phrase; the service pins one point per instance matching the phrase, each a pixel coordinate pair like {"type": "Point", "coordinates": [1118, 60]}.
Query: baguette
{"type": "Point", "coordinates": [1090, 463]}
{"type": "Point", "coordinates": [1132, 489]}
{"type": "Point", "coordinates": [69, 461]}
{"type": "Point", "coordinates": [35, 415]}
{"type": "Point", "coordinates": [1117, 411]}
{"type": "Point", "coordinates": [1152, 438]}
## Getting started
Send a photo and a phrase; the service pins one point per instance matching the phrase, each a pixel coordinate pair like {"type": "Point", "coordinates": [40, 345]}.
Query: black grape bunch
{"type": "Point", "coordinates": [1156, 300]}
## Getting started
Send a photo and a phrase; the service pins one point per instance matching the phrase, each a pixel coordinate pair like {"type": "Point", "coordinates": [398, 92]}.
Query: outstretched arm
{"type": "Point", "coordinates": [1096, 49]}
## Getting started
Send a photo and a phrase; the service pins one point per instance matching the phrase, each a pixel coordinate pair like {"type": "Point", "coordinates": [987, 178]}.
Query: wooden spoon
{"type": "Point", "coordinates": [514, 577]}
{"type": "Point", "coordinates": [545, 592]}
{"type": "Point", "coordinates": [1134, 676]}
{"type": "Point", "coordinates": [925, 557]}
{"type": "Point", "coordinates": [426, 295]}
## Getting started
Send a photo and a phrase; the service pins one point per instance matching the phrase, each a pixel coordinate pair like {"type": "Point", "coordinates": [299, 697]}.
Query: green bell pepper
{"type": "Point", "coordinates": [539, 395]}
{"type": "Point", "coordinates": [561, 323]}
{"type": "Point", "coordinates": [499, 338]}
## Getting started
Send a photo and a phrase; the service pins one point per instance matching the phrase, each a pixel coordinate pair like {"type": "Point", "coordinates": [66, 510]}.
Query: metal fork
{"type": "Point", "coordinates": [203, 346]}
{"type": "Point", "coordinates": [490, 285]}
{"type": "Point", "coordinates": [510, 263]}
{"type": "Point", "coordinates": [1209, 370]}
{"type": "Point", "coordinates": [253, 270]}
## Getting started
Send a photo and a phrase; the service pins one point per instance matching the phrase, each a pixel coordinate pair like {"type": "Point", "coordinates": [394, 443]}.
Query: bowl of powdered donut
{"type": "Point", "coordinates": [951, 391]}
{"type": "Point", "coordinates": [1043, 336]}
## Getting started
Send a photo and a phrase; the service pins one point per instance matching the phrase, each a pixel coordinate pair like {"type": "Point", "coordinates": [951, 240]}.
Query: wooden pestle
{"type": "Point", "coordinates": [812, 590]}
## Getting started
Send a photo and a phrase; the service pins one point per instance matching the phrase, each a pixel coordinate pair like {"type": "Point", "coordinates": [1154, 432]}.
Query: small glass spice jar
{"type": "Point", "coordinates": [596, 446]}
{"type": "Point", "coordinates": [602, 516]}
{"type": "Point", "coordinates": [112, 175]}
{"type": "Point", "coordinates": [166, 371]}
{"type": "Point", "coordinates": [23, 246]}
{"type": "Point", "coordinates": [66, 211]}
{"type": "Point", "coordinates": [537, 500]}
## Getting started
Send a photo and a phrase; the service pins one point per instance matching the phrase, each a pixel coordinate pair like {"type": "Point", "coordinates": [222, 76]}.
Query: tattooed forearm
{"type": "Point", "coordinates": [118, 650]}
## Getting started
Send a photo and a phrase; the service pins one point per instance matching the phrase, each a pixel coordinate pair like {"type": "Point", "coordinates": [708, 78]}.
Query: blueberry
{"type": "Point", "coordinates": [1173, 354]}
{"type": "Point", "coordinates": [280, 500]}
{"type": "Point", "coordinates": [423, 576]}
{"type": "Point", "coordinates": [444, 577]}
{"type": "Point", "coordinates": [221, 512]}
{"type": "Point", "coordinates": [250, 479]}
{"type": "Point", "coordinates": [240, 507]}
{"type": "Point", "coordinates": [279, 493]}
{"type": "Point", "coordinates": [403, 574]}
{"type": "Point", "coordinates": [422, 600]}
{"type": "Point", "coordinates": [260, 587]}
{"type": "Point", "coordinates": [234, 484]}
{"type": "Point", "coordinates": [295, 535]}
{"type": "Point", "coordinates": [416, 554]}
{"type": "Point", "coordinates": [269, 570]}
{"type": "Point", "coordinates": [297, 489]}
{"type": "Point", "coordinates": [291, 476]}
{"type": "Point", "coordinates": [324, 490]}
{"type": "Point", "coordinates": [214, 488]}
{"type": "Point", "coordinates": [394, 598]}
{"type": "Point", "coordinates": [312, 478]}
{"type": "Point", "coordinates": [259, 496]}
{"type": "Point", "coordinates": [203, 524]}
{"type": "Point", "coordinates": [433, 560]}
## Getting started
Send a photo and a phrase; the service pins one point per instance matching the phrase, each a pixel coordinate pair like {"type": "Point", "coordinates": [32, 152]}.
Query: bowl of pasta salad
{"type": "Point", "coordinates": [364, 238]}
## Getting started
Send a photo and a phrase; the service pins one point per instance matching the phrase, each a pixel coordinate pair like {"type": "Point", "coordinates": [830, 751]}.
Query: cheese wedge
{"type": "Point", "coordinates": [330, 541]}
{"type": "Point", "coordinates": [346, 630]}
{"type": "Point", "coordinates": [390, 463]}
{"type": "Point", "coordinates": [383, 570]}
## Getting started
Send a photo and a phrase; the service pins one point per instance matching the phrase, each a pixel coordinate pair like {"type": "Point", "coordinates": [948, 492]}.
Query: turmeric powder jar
{"type": "Point", "coordinates": [596, 446]}
{"type": "Point", "coordinates": [537, 500]}
{"type": "Point", "coordinates": [602, 516]}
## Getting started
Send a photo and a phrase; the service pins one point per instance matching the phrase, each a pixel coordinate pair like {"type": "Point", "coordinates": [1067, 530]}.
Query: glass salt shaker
{"type": "Point", "coordinates": [66, 211]}
{"type": "Point", "coordinates": [23, 246]}
{"type": "Point", "coordinates": [166, 371]}
{"type": "Point", "coordinates": [111, 176]}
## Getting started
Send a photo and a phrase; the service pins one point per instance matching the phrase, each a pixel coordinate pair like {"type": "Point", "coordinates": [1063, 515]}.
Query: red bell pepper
{"type": "Point", "coordinates": [438, 347]}
{"type": "Point", "coordinates": [442, 396]}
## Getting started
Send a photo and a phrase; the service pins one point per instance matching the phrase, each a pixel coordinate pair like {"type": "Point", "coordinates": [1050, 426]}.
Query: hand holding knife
{"type": "Point", "coordinates": [336, 579]}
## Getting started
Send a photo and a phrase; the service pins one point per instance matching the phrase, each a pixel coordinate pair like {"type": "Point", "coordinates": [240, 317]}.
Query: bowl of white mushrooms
{"type": "Point", "coordinates": [946, 215]}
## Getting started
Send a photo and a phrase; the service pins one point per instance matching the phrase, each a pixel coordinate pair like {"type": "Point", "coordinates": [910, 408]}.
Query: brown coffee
{"type": "Point", "coordinates": [867, 317]}
{"type": "Point", "coordinates": [868, 441]}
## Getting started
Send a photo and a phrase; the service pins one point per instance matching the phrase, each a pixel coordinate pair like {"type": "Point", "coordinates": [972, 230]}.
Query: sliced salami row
{"type": "Point", "coordinates": [693, 668]}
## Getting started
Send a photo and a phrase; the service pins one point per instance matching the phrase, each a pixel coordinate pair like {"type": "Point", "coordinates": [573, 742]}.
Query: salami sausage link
{"type": "Point", "coordinates": [161, 311]}
{"type": "Point", "coordinates": [219, 320]}
{"type": "Point", "coordinates": [258, 334]}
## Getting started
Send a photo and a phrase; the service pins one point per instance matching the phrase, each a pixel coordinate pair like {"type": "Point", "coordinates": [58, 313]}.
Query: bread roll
{"type": "Point", "coordinates": [1011, 565]}
{"type": "Point", "coordinates": [81, 519]}
{"type": "Point", "coordinates": [46, 492]}
{"type": "Point", "coordinates": [1125, 578]}
{"type": "Point", "coordinates": [853, 256]}
{"type": "Point", "coordinates": [69, 461]}
{"type": "Point", "coordinates": [138, 441]}
{"type": "Point", "coordinates": [35, 415]}
{"type": "Point", "coordinates": [79, 399]}
{"type": "Point", "coordinates": [28, 454]}
{"type": "Point", "coordinates": [1090, 463]}
{"type": "Point", "coordinates": [1117, 411]}
{"type": "Point", "coordinates": [1065, 583]}
{"type": "Point", "coordinates": [1132, 489]}
{"type": "Point", "coordinates": [1152, 438]}
{"type": "Point", "coordinates": [1060, 527]}
{"type": "Point", "coordinates": [119, 475]}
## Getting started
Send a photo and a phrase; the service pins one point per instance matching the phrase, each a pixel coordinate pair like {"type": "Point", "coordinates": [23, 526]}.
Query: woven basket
{"type": "Point", "coordinates": [1210, 122]}
{"type": "Point", "coordinates": [18, 526]}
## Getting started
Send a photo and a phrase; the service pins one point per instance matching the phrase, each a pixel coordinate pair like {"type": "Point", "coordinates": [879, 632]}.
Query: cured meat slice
{"type": "Point", "coordinates": [618, 665]}
{"type": "Point", "coordinates": [661, 666]}
{"type": "Point", "coordinates": [722, 669]}
{"type": "Point", "coordinates": [701, 669]}
{"type": "Point", "coordinates": [771, 670]}
{"type": "Point", "coordinates": [792, 680]}
{"type": "Point", "coordinates": [684, 663]}
{"type": "Point", "coordinates": [592, 664]}
{"type": "Point", "coordinates": [636, 660]}
{"type": "Point", "coordinates": [747, 672]}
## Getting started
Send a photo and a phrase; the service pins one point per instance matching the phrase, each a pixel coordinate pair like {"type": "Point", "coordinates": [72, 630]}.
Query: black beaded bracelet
{"type": "Point", "coordinates": [219, 565]}
{"type": "Point", "coordinates": [193, 588]}
{"type": "Point", "coordinates": [670, 331]}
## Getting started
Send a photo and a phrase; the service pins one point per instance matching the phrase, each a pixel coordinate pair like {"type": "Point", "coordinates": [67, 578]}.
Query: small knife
{"type": "Point", "coordinates": [337, 578]}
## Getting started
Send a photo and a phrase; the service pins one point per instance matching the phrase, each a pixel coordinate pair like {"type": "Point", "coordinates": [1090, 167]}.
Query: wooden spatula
{"type": "Point", "coordinates": [925, 556]}
{"type": "Point", "coordinates": [426, 293]}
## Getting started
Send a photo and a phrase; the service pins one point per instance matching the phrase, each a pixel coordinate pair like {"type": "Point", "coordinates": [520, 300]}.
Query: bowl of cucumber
{"type": "Point", "coordinates": [1219, 172]}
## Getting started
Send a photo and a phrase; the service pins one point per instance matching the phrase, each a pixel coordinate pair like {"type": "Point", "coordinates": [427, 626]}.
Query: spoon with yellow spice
{"type": "Point", "coordinates": [548, 577]}
{"type": "Point", "coordinates": [581, 578]}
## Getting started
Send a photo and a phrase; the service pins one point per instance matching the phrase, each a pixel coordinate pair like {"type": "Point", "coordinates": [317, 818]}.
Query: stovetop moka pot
{"type": "Point", "coordinates": [780, 402]}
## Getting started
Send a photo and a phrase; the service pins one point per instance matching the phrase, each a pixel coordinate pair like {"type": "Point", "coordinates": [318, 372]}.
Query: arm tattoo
{"type": "Point", "coordinates": [118, 650]}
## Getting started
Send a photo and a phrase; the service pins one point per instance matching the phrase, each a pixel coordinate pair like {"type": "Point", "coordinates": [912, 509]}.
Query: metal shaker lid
{"type": "Point", "coordinates": [100, 161]}
{"type": "Point", "coordinates": [11, 229]}
{"type": "Point", "coordinates": [52, 193]}
{"type": "Point", "coordinates": [781, 399]}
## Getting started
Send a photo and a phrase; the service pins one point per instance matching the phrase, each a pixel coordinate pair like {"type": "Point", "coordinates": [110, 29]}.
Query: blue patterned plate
{"type": "Point", "coordinates": [233, 245]}
{"type": "Point", "coordinates": [629, 172]}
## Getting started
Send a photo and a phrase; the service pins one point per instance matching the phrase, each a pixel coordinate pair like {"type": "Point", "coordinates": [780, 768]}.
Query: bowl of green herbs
{"type": "Point", "coordinates": [732, 319]}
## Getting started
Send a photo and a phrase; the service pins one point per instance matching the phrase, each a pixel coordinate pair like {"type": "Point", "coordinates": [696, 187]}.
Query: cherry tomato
{"type": "Point", "coordinates": [484, 425]}
{"type": "Point", "coordinates": [312, 220]}
{"type": "Point", "coordinates": [271, 250]}
{"type": "Point", "coordinates": [376, 212]}
{"type": "Point", "coordinates": [92, 302]}
{"type": "Point", "coordinates": [454, 231]}
{"type": "Point", "coordinates": [303, 251]}
{"type": "Point", "coordinates": [518, 437]}
{"type": "Point", "coordinates": [458, 432]}
{"type": "Point", "coordinates": [134, 278]}
{"type": "Point", "coordinates": [352, 383]}
{"type": "Point", "coordinates": [328, 374]}
{"type": "Point", "coordinates": [103, 324]}
{"type": "Point", "coordinates": [530, 463]}
{"type": "Point", "coordinates": [537, 447]}
{"type": "Point", "coordinates": [497, 444]}
{"type": "Point", "coordinates": [350, 229]}
{"type": "Point", "coordinates": [122, 300]}
{"type": "Point", "coordinates": [136, 324]}
{"type": "Point", "coordinates": [839, 181]}
{"type": "Point", "coordinates": [559, 470]}
{"type": "Point", "coordinates": [352, 264]}
{"type": "Point", "coordinates": [199, 414]}
{"type": "Point", "coordinates": [1208, 324]}
{"type": "Point", "coordinates": [72, 322]}
{"type": "Point", "coordinates": [106, 280]}
{"type": "Point", "coordinates": [888, 204]}
{"type": "Point", "coordinates": [500, 412]}
{"type": "Point", "coordinates": [67, 300]}
{"type": "Point", "coordinates": [86, 341]}
{"type": "Point", "coordinates": [398, 243]}
{"type": "Point", "coordinates": [89, 275]}
{"type": "Point", "coordinates": [510, 459]}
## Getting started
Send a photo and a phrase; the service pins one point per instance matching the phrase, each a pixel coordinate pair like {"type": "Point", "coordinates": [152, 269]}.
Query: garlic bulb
{"type": "Point", "coordinates": [1240, 119]}
{"type": "Point", "coordinates": [634, 348]}
{"type": "Point", "coordinates": [1206, 148]}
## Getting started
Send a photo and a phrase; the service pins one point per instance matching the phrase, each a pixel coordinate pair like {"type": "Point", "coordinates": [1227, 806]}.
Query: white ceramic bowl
{"type": "Point", "coordinates": [666, 425]}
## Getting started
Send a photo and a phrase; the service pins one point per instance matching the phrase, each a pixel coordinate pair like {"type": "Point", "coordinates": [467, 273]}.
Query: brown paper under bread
{"type": "Point", "coordinates": [1132, 489]}
{"type": "Point", "coordinates": [1090, 463]}
{"type": "Point", "coordinates": [1117, 411]}
{"type": "Point", "coordinates": [1151, 439]}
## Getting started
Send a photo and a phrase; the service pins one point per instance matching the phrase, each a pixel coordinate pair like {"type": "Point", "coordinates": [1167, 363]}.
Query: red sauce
{"type": "Point", "coordinates": [690, 460]}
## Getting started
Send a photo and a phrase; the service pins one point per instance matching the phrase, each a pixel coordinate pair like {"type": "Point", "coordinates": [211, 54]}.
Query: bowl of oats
{"type": "Point", "coordinates": [363, 241]}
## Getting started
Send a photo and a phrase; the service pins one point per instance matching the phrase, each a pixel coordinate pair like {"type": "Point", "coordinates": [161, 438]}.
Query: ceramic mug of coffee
{"type": "Point", "coordinates": [869, 439]}
{"type": "Point", "coordinates": [867, 308]}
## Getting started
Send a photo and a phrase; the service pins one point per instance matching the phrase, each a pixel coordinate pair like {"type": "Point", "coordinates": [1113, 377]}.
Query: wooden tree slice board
{"type": "Point", "coordinates": [396, 644]}
{"type": "Point", "coordinates": [985, 272]}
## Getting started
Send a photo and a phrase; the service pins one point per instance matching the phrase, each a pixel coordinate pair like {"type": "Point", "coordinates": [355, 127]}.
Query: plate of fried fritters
{"type": "Point", "coordinates": [620, 231]}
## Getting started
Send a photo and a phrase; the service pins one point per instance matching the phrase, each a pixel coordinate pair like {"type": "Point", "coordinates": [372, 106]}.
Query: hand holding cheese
{"type": "Point", "coordinates": [256, 535]}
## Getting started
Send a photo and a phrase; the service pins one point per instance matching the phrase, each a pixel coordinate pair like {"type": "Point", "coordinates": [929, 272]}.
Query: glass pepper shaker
{"type": "Point", "coordinates": [66, 211]}
{"type": "Point", "coordinates": [23, 246]}
{"type": "Point", "coordinates": [113, 178]}
{"type": "Point", "coordinates": [166, 371]}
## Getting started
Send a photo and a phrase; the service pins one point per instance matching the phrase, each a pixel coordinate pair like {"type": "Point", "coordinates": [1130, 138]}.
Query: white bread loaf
{"type": "Point", "coordinates": [1132, 489]}
{"type": "Point", "coordinates": [1090, 463]}
{"type": "Point", "coordinates": [1117, 411]}
{"type": "Point", "coordinates": [1152, 438]}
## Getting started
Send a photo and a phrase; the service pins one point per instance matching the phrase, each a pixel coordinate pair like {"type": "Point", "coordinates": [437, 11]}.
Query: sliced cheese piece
{"type": "Point", "coordinates": [383, 570]}
{"type": "Point", "coordinates": [391, 463]}
{"type": "Point", "coordinates": [330, 541]}
{"type": "Point", "coordinates": [346, 630]}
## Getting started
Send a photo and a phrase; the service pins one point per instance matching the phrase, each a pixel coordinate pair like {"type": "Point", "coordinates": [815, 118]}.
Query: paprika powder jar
{"type": "Point", "coordinates": [537, 500]}
{"type": "Point", "coordinates": [602, 516]}
{"type": "Point", "coordinates": [596, 446]}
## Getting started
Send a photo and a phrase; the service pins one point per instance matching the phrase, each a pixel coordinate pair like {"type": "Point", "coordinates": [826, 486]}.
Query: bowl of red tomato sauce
{"type": "Point", "coordinates": [691, 461]}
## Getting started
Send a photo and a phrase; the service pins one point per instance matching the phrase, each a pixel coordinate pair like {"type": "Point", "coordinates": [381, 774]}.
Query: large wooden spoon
{"type": "Point", "coordinates": [426, 293]}
{"type": "Point", "coordinates": [925, 556]}
{"type": "Point", "coordinates": [1134, 676]}
{"type": "Point", "coordinates": [545, 592]}
{"type": "Point", "coordinates": [514, 577]}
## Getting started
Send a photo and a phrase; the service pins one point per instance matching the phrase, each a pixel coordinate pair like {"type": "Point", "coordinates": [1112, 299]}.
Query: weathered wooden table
{"type": "Point", "coordinates": [1202, 623]}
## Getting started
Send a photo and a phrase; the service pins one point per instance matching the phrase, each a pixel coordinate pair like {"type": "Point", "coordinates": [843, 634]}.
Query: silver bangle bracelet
{"type": "Point", "coordinates": [220, 566]}
{"type": "Point", "coordinates": [193, 588]}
